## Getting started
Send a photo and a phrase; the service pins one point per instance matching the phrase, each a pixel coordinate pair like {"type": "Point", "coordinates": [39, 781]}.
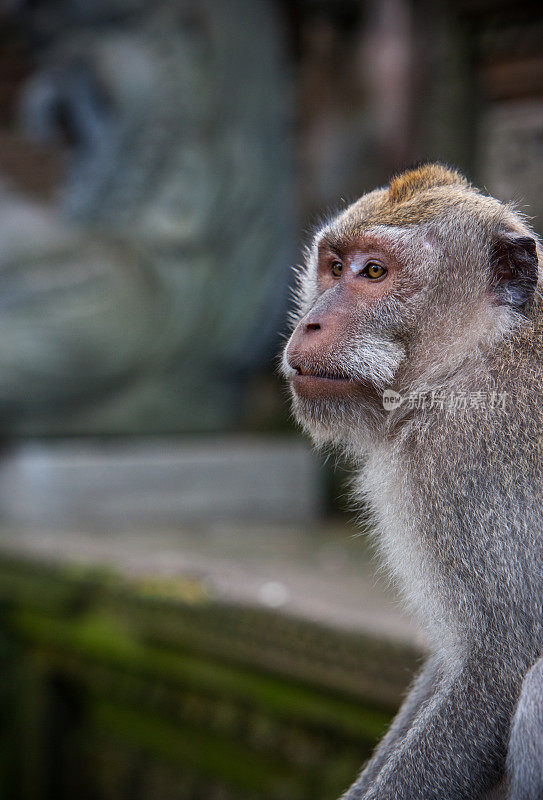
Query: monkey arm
{"type": "Point", "coordinates": [525, 756]}
{"type": "Point", "coordinates": [456, 746]}
{"type": "Point", "coordinates": [420, 693]}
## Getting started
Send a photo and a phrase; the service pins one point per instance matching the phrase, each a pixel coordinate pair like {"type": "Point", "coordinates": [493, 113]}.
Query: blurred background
{"type": "Point", "coordinates": [186, 609]}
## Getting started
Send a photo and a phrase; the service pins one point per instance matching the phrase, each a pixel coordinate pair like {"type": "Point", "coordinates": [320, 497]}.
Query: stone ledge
{"type": "Point", "coordinates": [112, 483]}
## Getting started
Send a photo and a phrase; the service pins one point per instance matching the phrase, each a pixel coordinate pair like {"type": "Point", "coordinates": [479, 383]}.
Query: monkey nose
{"type": "Point", "coordinates": [302, 345]}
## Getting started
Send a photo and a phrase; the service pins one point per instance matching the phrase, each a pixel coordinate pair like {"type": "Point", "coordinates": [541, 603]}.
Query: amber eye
{"type": "Point", "coordinates": [336, 269]}
{"type": "Point", "coordinates": [374, 271]}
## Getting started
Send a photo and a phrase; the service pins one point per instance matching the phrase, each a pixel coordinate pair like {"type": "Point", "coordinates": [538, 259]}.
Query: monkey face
{"type": "Point", "coordinates": [347, 346]}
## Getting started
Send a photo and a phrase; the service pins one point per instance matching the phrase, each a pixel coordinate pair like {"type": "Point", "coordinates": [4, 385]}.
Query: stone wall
{"type": "Point", "coordinates": [115, 690]}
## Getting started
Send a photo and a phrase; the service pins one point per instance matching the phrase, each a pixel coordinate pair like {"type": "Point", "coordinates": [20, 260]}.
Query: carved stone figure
{"type": "Point", "coordinates": [121, 307]}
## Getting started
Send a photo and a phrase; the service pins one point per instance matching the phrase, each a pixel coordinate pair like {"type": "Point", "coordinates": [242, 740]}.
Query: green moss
{"type": "Point", "coordinates": [99, 638]}
{"type": "Point", "coordinates": [208, 753]}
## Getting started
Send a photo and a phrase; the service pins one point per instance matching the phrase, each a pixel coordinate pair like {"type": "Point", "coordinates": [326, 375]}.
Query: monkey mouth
{"type": "Point", "coordinates": [320, 374]}
{"type": "Point", "coordinates": [320, 385]}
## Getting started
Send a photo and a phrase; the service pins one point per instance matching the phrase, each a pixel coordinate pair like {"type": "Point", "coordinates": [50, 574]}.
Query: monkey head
{"type": "Point", "coordinates": [398, 292]}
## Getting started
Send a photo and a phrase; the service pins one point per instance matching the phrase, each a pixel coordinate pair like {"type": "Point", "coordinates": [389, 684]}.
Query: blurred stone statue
{"type": "Point", "coordinates": [144, 298]}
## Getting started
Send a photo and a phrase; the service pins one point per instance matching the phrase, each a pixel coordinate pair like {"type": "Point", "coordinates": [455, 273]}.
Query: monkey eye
{"type": "Point", "coordinates": [374, 271]}
{"type": "Point", "coordinates": [336, 269]}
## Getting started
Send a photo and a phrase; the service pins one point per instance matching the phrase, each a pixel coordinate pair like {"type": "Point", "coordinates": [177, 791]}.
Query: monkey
{"type": "Point", "coordinates": [417, 350]}
{"type": "Point", "coordinates": [525, 754]}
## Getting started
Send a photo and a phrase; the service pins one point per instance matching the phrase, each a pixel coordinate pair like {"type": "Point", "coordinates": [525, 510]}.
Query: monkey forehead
{"type": "Point", "coordinates": [437, 205]}
{"type": "Point", "coordinates": [425, 207]}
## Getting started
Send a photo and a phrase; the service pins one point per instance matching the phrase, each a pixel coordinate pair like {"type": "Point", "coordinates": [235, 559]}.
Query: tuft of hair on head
{"type": "Point", "coordinates": [427, 176]}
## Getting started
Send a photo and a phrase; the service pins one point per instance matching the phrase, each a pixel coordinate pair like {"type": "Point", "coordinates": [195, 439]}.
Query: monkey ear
{"type": "Point", "coordinates": [514, 270]}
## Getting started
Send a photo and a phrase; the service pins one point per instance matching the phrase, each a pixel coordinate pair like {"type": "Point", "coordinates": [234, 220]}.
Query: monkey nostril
{"type": "Point", "coordinates": [312, 326]}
